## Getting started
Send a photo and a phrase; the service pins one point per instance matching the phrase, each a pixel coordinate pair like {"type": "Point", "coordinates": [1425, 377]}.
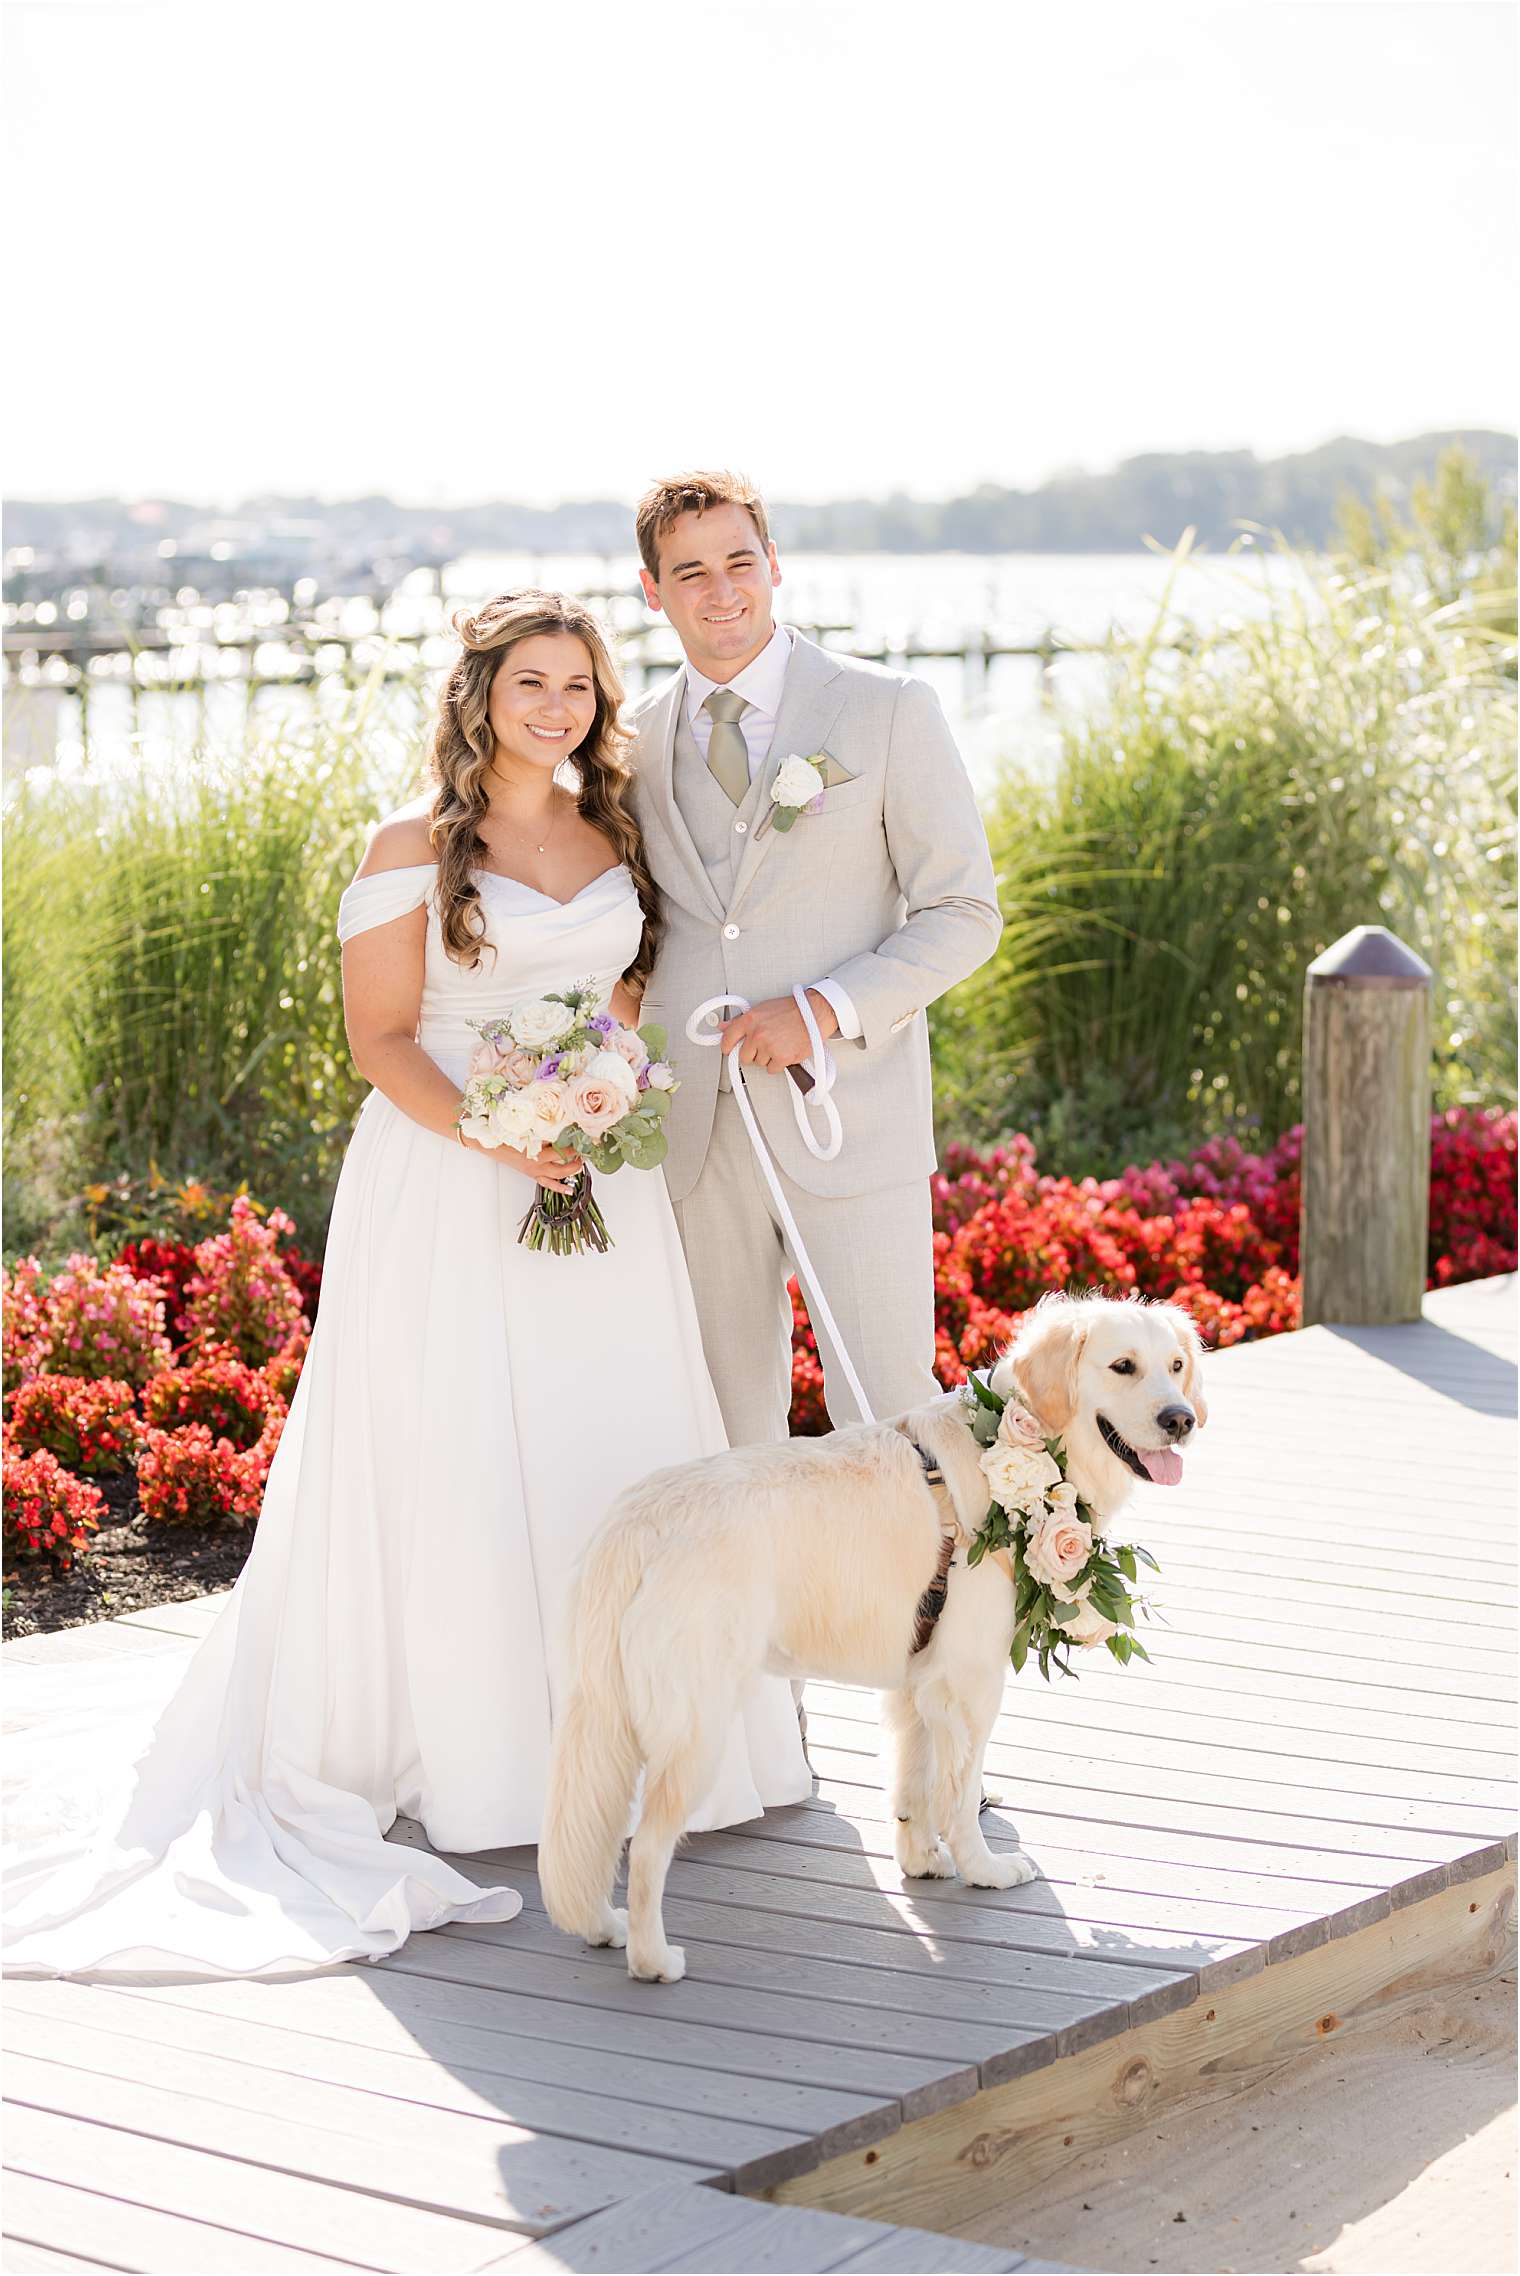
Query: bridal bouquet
{"type": "Point", "coordinates": [561, 1071]}
{"type": "Point", "coordinates": [1070, 1587]}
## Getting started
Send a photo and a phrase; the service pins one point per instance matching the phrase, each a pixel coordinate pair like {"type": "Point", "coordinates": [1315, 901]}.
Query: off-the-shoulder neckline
{"type": "Point", "coordinates": [499, 877]}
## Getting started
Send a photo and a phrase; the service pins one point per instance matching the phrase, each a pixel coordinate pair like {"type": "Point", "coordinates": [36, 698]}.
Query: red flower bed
{"type": "Point", "coordinates": [1216, 1234]}
{"type": "Point", "coordinates": [234, 1401]}
{"type": "Point", "coordinates": [47, 1513]}
{"type": "Point", "coordinates": [91, 1427]}
{"type": "Point", "coordinates": [187, 1477]}
{"type": "Point", "coordinates": [93, 1382]}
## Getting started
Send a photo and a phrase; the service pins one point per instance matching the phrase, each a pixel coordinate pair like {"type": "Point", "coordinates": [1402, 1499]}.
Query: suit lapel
{"type": "Point", "coordinates": [811, 700]}
{"type": "Point", "coordinates": [658, 767]}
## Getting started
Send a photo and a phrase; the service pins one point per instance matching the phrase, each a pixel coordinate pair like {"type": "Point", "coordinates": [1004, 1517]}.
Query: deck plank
{"type": "Point", "coordinates": [88, 2229]}
{"type": "Point", "coordinates": [111, 2034]}
{"type": "Point", "coordinates": [260, 2202]}
{"type": "Point", "coordinates": [587, 2093]}
{"type": "Point", "coordinates": [418, 2159]}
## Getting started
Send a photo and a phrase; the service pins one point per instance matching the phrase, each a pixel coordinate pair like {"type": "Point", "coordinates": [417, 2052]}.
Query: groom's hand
{"type": "Point", "coordinates": [771, 1035]}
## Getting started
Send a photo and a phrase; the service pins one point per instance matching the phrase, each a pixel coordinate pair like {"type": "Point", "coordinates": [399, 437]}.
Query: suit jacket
{"type": "Point", "coordinates": [888, 889]}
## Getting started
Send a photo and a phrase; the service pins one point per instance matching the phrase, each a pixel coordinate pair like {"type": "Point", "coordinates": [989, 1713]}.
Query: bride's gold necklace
{"type": "Point", "coordinates": [554, 808]}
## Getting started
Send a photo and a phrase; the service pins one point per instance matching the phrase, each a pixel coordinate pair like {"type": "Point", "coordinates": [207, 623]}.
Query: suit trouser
{"type": "Point", "coordinates": [874, 1257]}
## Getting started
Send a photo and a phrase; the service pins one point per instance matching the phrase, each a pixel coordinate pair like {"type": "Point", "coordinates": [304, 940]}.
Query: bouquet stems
{"type": "Point", "coordinates": [565, 1223]}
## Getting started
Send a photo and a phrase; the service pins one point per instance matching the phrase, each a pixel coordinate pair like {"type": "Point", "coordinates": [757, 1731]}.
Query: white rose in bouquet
{"type": "Point", "coordinates": [553, 1110]}
{"type": "Point", "coordinates": [538, 1026]}
{"type": "Point", "coordinates": [1019, 1476]}
{"type": "Point", "coordinates": [512, 1122]}
{"type": "Point", "coordinates": [662, 1076]}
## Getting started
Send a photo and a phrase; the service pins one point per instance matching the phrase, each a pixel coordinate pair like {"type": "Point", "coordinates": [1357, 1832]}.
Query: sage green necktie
{"type": "Point", "coordinates": [727, 751]}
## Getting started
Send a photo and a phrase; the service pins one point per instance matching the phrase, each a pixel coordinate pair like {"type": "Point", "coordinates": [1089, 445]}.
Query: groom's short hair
{"type": "Point", "coordinates": [664, 504]}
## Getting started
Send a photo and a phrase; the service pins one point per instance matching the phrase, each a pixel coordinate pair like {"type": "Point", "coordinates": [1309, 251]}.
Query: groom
{"type": "Point", "coordinates": [876, 903]}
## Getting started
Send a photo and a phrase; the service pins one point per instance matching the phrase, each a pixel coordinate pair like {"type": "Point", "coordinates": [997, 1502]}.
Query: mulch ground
{"type": "Point", "coordinates": [129, 1566]}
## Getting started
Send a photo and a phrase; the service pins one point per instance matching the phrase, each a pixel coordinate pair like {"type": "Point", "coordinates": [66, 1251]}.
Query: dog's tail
{"type": "Point", "coordinates": [594, 1761]}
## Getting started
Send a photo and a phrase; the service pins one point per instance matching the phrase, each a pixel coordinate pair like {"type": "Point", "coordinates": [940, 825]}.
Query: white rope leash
{"type": "Point", "coordinates": [820, 1066]}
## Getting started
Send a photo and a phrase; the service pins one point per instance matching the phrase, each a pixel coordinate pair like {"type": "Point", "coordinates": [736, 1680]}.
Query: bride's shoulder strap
{"type": "Point", "coordinates": [383, 896]}
{"type": "Point", "coordinates": [391, 880]}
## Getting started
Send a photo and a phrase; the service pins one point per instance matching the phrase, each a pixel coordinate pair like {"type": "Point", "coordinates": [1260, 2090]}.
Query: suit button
{"type": "Point", "coordinates": [730, 932]}
{"type": "Point", "coordinates": [741, 827]}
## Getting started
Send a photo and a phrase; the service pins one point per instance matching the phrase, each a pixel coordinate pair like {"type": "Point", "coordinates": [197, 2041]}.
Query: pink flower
{"type": "Point", "coordinates": [628, 1046]}
{"type": "Point", "coordinates": [1056, 1547]}
{"type": "Point", "coordinates": [1019, 1428]}
{"type": "Point", "coordinates": [597, 1105]}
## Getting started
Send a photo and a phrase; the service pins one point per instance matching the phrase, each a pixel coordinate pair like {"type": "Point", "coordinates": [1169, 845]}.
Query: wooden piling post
{"type": "Point", "coordinates": [1366, 1167]}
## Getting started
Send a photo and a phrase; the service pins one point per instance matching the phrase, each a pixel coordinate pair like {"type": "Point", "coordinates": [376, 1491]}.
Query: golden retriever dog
{"type": "Point", "coordinates": [810, 1558]}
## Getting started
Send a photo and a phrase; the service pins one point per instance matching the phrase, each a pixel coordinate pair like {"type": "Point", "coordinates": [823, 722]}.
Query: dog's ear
{"type": "Point", "coordinates": [1044, 1363]}
{"type": "Point", "coordinates": [1192, 1352]}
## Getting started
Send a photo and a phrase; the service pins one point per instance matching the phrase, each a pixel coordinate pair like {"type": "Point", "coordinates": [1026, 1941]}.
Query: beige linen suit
{"type": "Point", "coordinates": [887, 890]}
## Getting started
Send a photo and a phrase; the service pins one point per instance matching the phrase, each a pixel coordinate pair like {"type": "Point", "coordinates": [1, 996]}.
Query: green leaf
{"type": "Point", "coordinates": [987, 1396]}
{"type": "Point", "coordinates": [1019, 1650]}
{"type": "Point", "coordinates": [1064, 1614]}
{"type": "Point", "coordinates": [783, 817]}
{"type": "Point", "coordinates": [1146, 1558]}
{"type": "Point", "coordinates": [653, 1038]}
{"type": "Point", "coordinates": [1137, 1649]}
{"type": "Point", "coordinates": [1126, 1562]}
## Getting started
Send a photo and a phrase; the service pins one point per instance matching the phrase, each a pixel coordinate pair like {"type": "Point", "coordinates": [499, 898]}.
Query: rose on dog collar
{"type": "Point", "coordinates": [1069, 1586]}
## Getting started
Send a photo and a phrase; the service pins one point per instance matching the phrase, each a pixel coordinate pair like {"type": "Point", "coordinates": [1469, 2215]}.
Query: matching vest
{"type": "Point", "coordinates": [710, 817]}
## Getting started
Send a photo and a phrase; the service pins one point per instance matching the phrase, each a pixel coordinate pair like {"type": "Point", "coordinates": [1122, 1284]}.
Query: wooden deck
{"type": "Point", "coordinates": [1302, 1812]}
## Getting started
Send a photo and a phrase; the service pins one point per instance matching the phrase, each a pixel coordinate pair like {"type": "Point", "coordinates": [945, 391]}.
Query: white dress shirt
{"type": "Point", "coordinates": [760, 683]}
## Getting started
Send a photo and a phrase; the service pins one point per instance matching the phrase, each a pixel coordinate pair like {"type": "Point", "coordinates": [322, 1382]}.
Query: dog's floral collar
{"type": "Point", "coordinates": [1069, 1586]}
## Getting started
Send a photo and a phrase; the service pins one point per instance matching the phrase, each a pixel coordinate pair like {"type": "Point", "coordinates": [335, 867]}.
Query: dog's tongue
{"type": "Point", "coordinates": [1164, 1467]}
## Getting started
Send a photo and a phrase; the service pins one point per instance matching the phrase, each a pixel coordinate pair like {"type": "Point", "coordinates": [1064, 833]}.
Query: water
{"type": "Point", "coordinates": [890, 602]}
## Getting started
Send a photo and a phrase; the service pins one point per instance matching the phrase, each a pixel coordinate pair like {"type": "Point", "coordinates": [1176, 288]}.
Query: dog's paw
{"type": "Point", "coordinates": [613, 1931]}
{"type": "Point", "coordinates": [925, 1861]}
{"type": "Point", "coordinates": [1009, 1872]}
{"type": "Point", "coordinates": [665, 1965]}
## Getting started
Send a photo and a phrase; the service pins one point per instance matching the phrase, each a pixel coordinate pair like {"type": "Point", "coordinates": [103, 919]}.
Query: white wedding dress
{"type": "Point", "coordinates": [467, 1412]}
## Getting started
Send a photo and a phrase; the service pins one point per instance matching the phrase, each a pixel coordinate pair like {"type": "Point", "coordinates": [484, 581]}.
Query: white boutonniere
{"type": "Point", "coordinates": [798, 788]}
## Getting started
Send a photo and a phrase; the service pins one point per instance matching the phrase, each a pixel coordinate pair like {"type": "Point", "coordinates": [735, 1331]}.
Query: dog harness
{"type": "Point", "coordinates": [932, 1603]}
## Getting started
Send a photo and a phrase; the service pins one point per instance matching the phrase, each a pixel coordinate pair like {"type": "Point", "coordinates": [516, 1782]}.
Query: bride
{"type": "Point", "coordinates": [467, 1411]}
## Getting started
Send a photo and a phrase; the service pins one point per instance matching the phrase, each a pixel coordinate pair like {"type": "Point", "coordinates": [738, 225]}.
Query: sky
{"type": "Point", "coordinates": [465, 249]}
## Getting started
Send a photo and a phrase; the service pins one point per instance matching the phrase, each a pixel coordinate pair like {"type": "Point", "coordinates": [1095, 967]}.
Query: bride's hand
{"type": "Point", "coordinates": [556, 1169]}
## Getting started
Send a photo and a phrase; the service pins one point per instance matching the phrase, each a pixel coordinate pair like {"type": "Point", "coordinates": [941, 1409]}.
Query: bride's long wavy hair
{"type": "Point", "coordinates": [464, 746]}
